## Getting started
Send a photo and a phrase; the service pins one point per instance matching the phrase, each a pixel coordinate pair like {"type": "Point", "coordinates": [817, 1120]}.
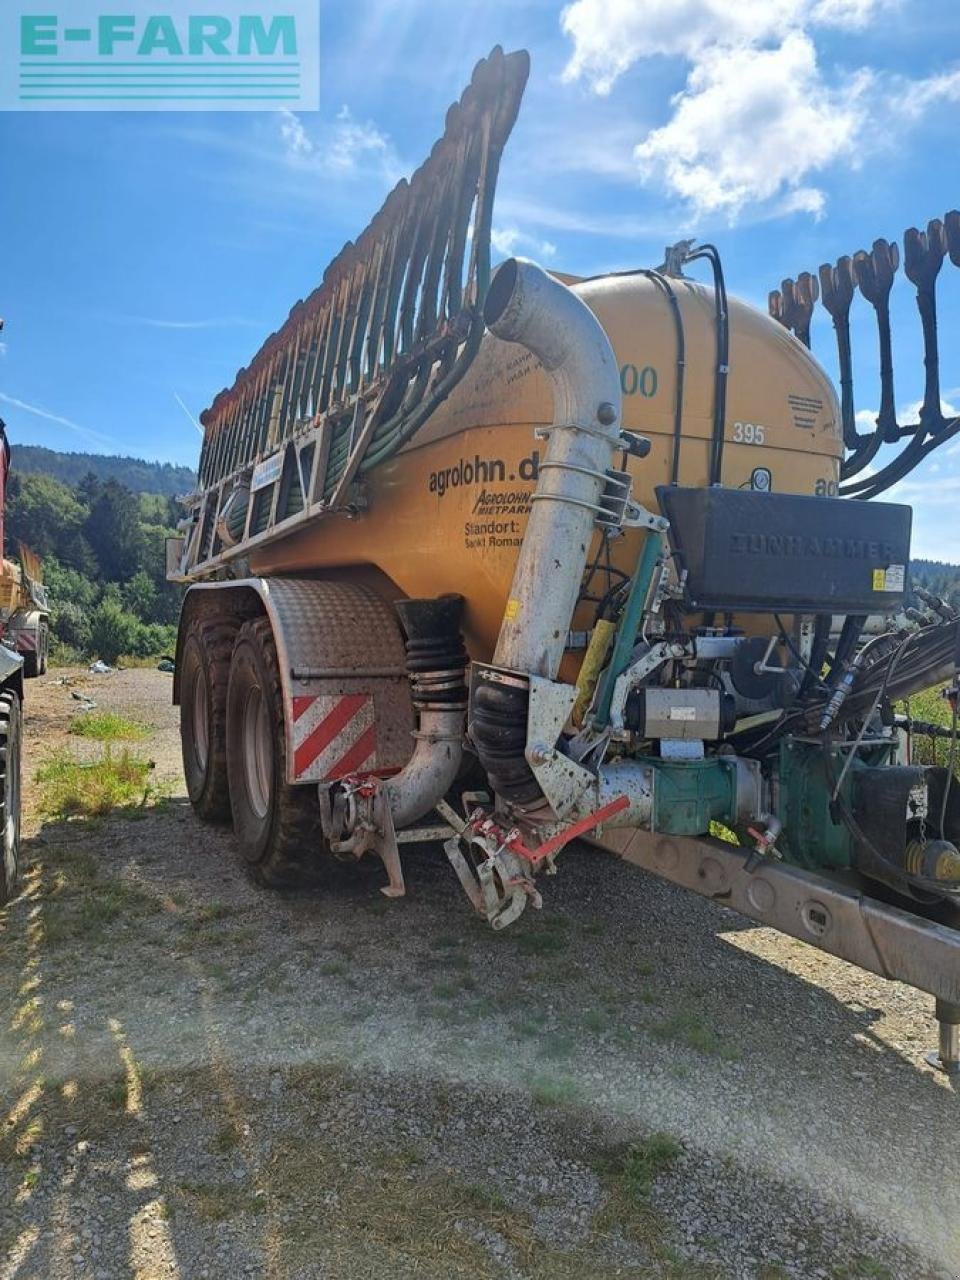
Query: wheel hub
{"type": "Point", "coordinates": [257, 752]}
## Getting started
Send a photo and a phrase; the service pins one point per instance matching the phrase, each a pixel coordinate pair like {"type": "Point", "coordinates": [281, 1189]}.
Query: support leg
{"type": "Point", "coordinates": [947, 1057]}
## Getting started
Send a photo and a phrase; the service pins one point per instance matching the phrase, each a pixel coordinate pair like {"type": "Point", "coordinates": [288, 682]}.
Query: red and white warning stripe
{"type": "Point", "coordinates": [24, 641]}
{"type": "Point", "coordinates": [333, 736]}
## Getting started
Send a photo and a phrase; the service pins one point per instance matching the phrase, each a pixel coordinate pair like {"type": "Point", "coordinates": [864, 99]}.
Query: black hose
{"type": "Point", "coordinates": [902, 465]}
{"type": "Point", "coordinates": [722, 370]}
{"type": "Point", "coordinates": [436, 657]}
{"type": "Point", "coordinates": [664, 285]}
{"type": "Point", "coordinates": [498, 730]}
{"type": "Point", "coordinates": [818, 653]}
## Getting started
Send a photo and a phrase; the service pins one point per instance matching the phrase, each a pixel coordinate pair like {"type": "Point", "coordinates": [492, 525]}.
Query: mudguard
{"type": "Point", "coordinates": [346, 695]}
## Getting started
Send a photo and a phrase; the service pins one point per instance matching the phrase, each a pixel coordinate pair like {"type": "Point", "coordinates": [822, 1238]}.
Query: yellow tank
{"type": "Point", "coordinates": [449, 511]}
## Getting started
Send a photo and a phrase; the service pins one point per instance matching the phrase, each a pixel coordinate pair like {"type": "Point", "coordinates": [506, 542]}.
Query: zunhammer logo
{"type": "Point", "coordinates": [796, 546]}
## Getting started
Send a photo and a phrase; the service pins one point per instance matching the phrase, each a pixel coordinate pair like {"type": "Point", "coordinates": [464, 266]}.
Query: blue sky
{"type": "Point", "coordinates": [144, 257]}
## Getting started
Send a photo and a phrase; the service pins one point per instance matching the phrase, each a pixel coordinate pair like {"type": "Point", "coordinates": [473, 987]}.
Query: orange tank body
{"type": "Point", "coordinates": [448, 512]}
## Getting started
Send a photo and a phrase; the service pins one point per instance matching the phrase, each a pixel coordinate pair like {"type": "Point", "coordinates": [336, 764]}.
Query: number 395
{"type": "Point", "coordinates": [748, 433]}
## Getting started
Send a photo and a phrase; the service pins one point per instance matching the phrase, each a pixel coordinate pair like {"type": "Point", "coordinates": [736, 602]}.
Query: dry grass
{"type": "Point", "coordinates": [400, 1217]}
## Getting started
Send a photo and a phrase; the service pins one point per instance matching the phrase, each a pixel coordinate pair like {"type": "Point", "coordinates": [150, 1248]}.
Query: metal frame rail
{"type": "Point", "coordinates": [361, 364]}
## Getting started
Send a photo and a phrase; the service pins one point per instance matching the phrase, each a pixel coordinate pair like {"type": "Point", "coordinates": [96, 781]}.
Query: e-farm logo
{"type": "Point", "coordinates": [150, 55]}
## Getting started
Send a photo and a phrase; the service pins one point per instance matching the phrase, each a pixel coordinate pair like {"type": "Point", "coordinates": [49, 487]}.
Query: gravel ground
{"type": "Point", "coordinates": [199, 1078]}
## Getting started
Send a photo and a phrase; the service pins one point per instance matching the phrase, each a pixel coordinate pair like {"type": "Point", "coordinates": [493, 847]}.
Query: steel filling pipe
{"type": "Point", "coordinates": [524, 305]}
{"type": "Point", "coordinates": [432, 769]}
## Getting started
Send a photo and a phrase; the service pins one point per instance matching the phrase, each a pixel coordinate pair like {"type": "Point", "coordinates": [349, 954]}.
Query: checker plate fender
{"type": "Point", "coordinates": [346, 695]}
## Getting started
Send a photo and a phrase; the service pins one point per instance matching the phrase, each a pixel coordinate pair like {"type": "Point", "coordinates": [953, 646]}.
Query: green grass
{"type": "Point", "coordinates": [213, 911]}
{"type": "Point", "coordinates": [596, 1021]}
{"type": "Point", "coordinates": [92, 789]}
{"type": "Point", "coordinates": [114, 1093]}
{"type": "Point", "coordinates": [643, 1165]}
{"type": "Point", "coordinates": [684, 1027]}
{"type": "Point", "coordinates": [545, 938]}
{"type": "Point", "coordinates": [126, 661]}
{"type": "Point", "coordinates": [531, 1026]}
{"type": "Point", "coordinates": [555, 1046]}
{"type": "Point", "coordinates": [445, 942]}
{"type": "Point", "coordinates": [554, 1091]}
{"type": "Point", "coordinates": [628, 1175]}
{"type": "Point", "coordinates": [226, 1138]}
{"type": "Point", "coordinates": [930, 706]}
{"type": "Point", "coordinates": [86, 909]}
{"type": "Point", "coordinates": [862, 1268]}
{"type": "Point", "coordinates": [448, 989]}
{"type": "Point", "coordinates": [107, 726]}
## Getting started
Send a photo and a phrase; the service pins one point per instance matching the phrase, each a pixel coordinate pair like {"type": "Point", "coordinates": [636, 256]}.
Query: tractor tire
{"type": "Point", "coordinates": [10, 727]}
{"type": "Point", "coordinates": [204, 675]}
{"type": "Point", "coordinates": [277, 826]}
{"type": "Point", "coordinates": [31, 664]}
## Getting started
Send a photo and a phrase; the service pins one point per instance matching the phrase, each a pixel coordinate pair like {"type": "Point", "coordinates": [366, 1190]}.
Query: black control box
{"type": "Point", "coordinates": [782, 552]}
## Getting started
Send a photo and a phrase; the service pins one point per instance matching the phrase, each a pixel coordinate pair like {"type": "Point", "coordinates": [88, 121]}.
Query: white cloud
{"type": "Point", "coordinates": [356, 143]}
{"type": "Point", "coordinates": [3, 349]}
{"type": "Point", "coordinates": [911, 412]}
{"type": "Point", "coordinates": [347, 148]}
{"type": "Point", "coordinates": [510, 240]}
{"type": "Point", "coordinates": [593, 220]}
{"type": "Point", "coordinates": [752, 124]}
{"type": "Point", "coordinates": [918, 96]}
{"type": "Point", "coordinates": [294, 135]}
{"type": "Point", "coordinates": [217, 322]}
{"type": "Point", "coordinates": [908, 413]}
{"type": "Point", "coordinates": [941, 491]}
{"type": "Point", "coordinates": [851, 15]}
{"type": "Point", "coordinates": [866, 419]}
{"type": "Point", "coordinates": [609, 36]}
{"type": "Point", "coordinates": [758, 118]}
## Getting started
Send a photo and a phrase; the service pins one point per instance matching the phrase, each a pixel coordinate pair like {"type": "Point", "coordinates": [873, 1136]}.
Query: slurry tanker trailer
{"type": "Point", "coordinates": [510, 560]}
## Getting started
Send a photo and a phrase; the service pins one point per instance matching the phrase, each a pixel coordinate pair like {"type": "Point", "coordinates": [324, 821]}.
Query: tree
{"type": "Point", "coordinates": [71, 624]}
{"type": "Point", "coordinates": [113, 530]}
{"type": "Point", "coordinates": [88, 490]}
{"type": "Point", "coordinates": [140, 596]}
{"type": "Point", "coordinates": [113, 631]}
{"type": "Point", "coordinates": [66, 585]}
{"type": "Point", "coordinates": [44, 514]}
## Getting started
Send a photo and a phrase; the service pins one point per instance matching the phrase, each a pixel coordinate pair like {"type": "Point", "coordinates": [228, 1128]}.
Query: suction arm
{"type": "Point", "coordinates": [524, 305]}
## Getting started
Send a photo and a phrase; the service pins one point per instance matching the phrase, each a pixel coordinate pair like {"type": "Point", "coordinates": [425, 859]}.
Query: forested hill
{"type": "Point", "coordinates": [133, 473]}
{"type": "Point", "coordinates": [937, 576]}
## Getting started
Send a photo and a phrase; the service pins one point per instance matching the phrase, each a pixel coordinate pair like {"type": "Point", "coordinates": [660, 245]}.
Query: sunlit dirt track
{"type": "Point", "coordinates": [199, 1078]}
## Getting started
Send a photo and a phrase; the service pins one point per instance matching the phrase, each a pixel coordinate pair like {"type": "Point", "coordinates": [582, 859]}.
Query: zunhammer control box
{"type": "Point", "coordinates": [764, 552]}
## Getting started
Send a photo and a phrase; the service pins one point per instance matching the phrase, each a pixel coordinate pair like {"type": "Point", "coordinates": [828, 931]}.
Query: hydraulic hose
{"type": "Point", "coordinates": [436, 663]}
